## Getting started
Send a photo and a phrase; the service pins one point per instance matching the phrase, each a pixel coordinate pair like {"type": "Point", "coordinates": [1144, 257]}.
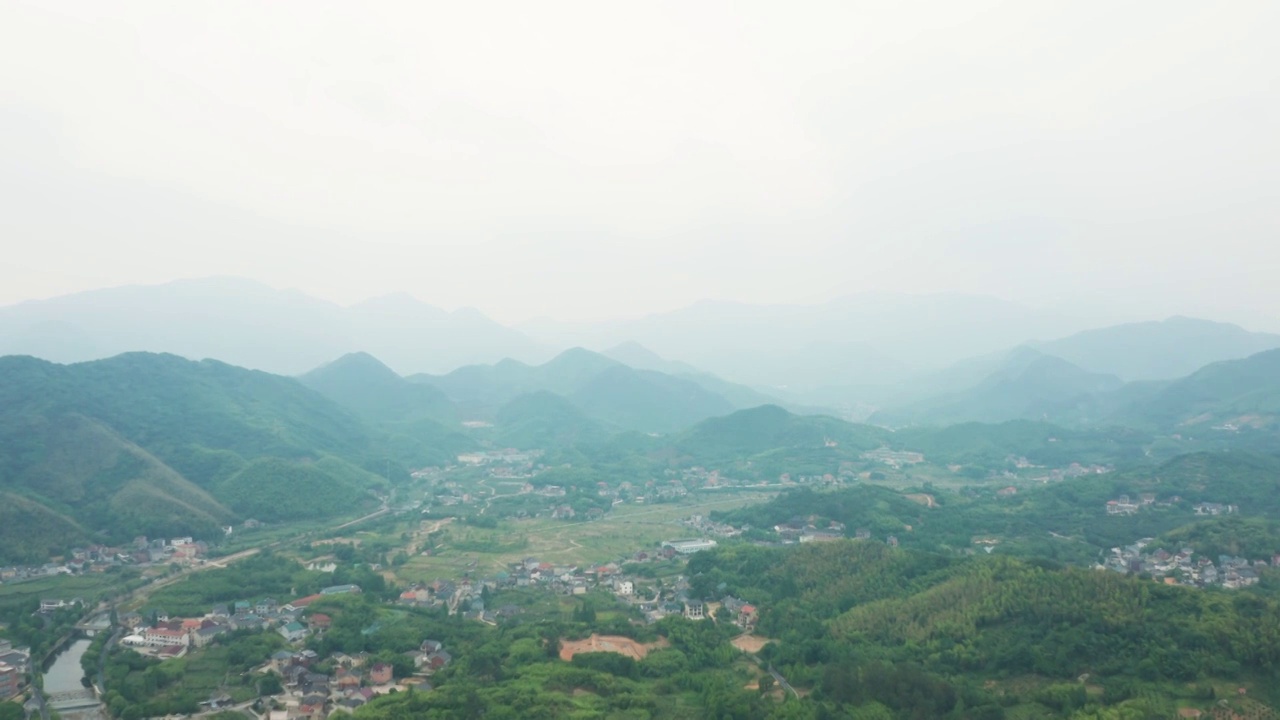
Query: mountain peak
{"type": "Point", "coordinates": [576, 356]}
{"type": "Point", "coordinates": [354, 363]}
{"type": "Point", "coordinates": [631, 347]}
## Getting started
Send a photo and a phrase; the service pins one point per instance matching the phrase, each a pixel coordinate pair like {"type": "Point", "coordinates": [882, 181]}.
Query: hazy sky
{"type": "Point", "coordinates": [590, 159]}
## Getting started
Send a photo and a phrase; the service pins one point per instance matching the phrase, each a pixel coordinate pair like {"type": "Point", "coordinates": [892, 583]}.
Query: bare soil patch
{"type": "Point", "coordinates": [924, 499]}
{"type": "Point", "coordinates": [750, 643]}
{"type": "Point", "coordinates": [609, 643]}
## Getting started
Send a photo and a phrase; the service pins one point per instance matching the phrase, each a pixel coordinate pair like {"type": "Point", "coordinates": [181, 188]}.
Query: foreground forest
{"type": "Point", "coordinates": [862, 630]}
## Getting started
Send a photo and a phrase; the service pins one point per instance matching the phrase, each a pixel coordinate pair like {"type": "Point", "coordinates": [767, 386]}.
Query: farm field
{"type": "Point", "coordinates": [89, 587]}
{"type": "Point", "coordinates": [626, 530]}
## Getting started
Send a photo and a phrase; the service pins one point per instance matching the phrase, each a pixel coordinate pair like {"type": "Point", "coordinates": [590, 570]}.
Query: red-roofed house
{"type": "Point", "coordinates": [319, 621]}
{"type": "Point", "coordinates": [301, 603]}
{"type": "Point", "coordinates": [164, 637]}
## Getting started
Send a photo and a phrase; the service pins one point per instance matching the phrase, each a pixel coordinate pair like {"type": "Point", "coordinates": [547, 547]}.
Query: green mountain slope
{"type": "Point", "coordinates": [144, 444]}
{"type": "Point", "coordinates": [1244, 393]}
{"type": "Point", "coordinates": [273, 489]}
{"type": "Point", "coordinates": [31, 531]}
{"type": "Point", "coordinates": [167, 404]}
{"type": "Point", "coordinates": [764, 442]}
{"type": "Point", "coordinates": [362, 384]}
{"type": "Point", "coordinates": [647, 401]}
{"type": "Point", "coordinates": [769, 428]}
{"type": "Point", "coordinates": [101, 486]}
{"type": "Point", "coordinates": [415, 423]}
{"type": "Point", "coordinates": [545, 420]}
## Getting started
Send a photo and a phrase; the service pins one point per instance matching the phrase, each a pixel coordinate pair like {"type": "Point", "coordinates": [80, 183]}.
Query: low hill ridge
{"type": "Point", "coordinates": [143, 444]}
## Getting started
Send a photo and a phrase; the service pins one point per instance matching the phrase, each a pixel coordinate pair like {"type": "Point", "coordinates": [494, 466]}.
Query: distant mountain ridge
{"type": "Point", "coordinates": [857, 352]}
{"type": "Point", "coordinates": [606, 390]}
{"type": "Point", "coordinates": [812, 353]}
{"type": "Point", "coordinates": [1076, 379]}
{"type": "Point", "coordinates": [1163, 350]}
{"type": "Point", "coordinates": [252, 325]}
{"type": "Point", "coordinates": [1027, 384]}
{"type": "Point", "coordinates": [1230, 395]}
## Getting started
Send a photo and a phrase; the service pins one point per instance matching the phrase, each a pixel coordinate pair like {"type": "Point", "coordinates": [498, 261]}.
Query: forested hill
{"type": "Point", "coordinates": [155, 444]}
{"type": "Point", "coordinates": [766, 441]}
{"type": "Point", "coordinates": [855, 619]}
{"type": "Point", "coordinates": [1238, 395]}
{"type": "Point", "coordinates": [361, 383]}
{"type": "Point", "coordinates": [415, 423]}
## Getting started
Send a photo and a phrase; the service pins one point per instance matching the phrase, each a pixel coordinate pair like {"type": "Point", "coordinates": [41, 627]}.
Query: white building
{"type": "Point", "coordinates": [624, 588]}
{"type": "Point", "coordinates": [162, 637]}
{"type": "Point", "coordinates": [688, 547]}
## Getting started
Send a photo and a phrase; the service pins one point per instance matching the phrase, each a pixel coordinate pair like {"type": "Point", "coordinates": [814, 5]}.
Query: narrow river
{"type": "Point", "coordinates": [64, 676]}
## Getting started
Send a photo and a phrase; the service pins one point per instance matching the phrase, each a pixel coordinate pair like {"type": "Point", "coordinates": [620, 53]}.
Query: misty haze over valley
{"type": "Point", "coordinates": [677, 360]}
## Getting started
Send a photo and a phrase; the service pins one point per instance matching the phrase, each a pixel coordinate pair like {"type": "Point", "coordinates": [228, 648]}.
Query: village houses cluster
{"type": "Point", "coordinates": [308, 694]}
{"type": "Point", "coordinates": [353, 681]}
{"type": "Point", "coordinates": [99, 558]}
{"type": "Point", "coordinates": [15, 663]}
{"type": "Point", "coordinates": [1126, 505]}
{"type": "Point", "coordinates": [1186, 567]}
{"type": "Point", "coordinates": [166, 637]}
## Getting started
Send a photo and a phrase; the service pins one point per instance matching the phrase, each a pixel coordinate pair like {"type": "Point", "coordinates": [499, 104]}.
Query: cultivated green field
{"type": "Point", "coordinates": [625, 531]}
{"type": "Point", "coordinates": [89, 587]}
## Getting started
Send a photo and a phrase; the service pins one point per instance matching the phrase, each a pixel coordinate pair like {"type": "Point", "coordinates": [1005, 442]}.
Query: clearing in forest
{"type": "Point", "coordinates": [924, 499]}
{"type": "Point", "coordinates": [609, 643]}
{"type": "Point", "coordinates": [750, 643]}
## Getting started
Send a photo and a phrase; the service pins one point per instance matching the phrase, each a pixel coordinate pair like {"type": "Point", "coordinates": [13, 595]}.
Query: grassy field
{"type": "Point", "coordinates": [90, 587]}
{"type": "Point", "coordinates": [625, 531]}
